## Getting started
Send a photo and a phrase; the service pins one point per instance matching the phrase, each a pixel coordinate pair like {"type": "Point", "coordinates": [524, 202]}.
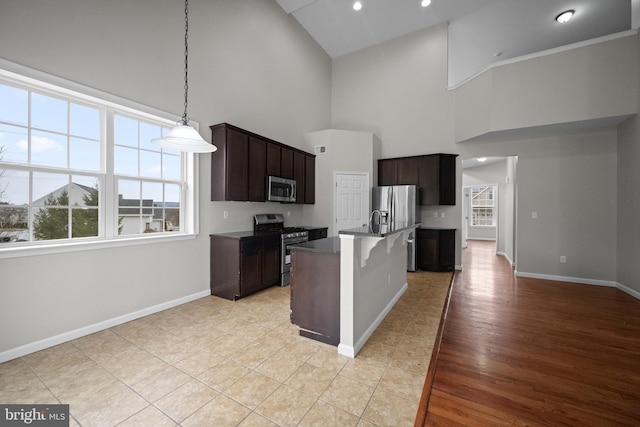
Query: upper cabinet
{"type": "Point", "coordinates": [244, 160]}
{"type": "Point", "coordinates": [434, 174]}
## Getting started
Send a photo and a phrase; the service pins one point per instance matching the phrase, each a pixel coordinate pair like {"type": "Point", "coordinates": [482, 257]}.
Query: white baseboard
{"type": "Point", "coordinates": [628, 290]}
{"type": "Point", "coordinates": [351, 351]}
{"type": "Point", "coordinates": [567, 279]}
{"type": "Point", "coordinates": [96, 327]}
{"type": "Point", "coordinates": [504, 254]}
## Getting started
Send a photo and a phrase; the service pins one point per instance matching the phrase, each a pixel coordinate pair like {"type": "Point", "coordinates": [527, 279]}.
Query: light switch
{"type": "Point", "coordinates": [225, 214]}
{"type": "Point", "coordinates": [441, 214]}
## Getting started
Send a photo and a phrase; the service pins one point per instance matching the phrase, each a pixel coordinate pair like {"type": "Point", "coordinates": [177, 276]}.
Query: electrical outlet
{"type": "Point", "coordinates": [441, 214]}
{"type": "Point", "coordinates": [288, 213]}
{"type": "Point", "coordinates": [534, 215]}
{"type": "Point", "coordinates": [225, 214]}
{"type": "Point", "coordinates": [435, 214]}
{"type": "Point", "coordinates": [563, 259]}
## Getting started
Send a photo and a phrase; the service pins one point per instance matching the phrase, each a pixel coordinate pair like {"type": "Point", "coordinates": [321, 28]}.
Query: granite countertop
{"type": "Point", "coordinates": [329, 245]}
{"type": "Point", "coordinates": [379, 230]}
{"type": "Point", "coordinates": [243, 234]}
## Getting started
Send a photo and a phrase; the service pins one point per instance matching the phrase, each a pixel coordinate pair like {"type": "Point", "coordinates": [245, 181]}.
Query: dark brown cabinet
{"type": "Point", "coordinates": [317, 233]}
{"type": "Point", "coordinates": [310, 180]}
{"type": "Point", "coordinates": [315, 295]}
{"type": "Point", "coordinates": [257, 174]}
{"type": "Point", "coordinates": [299, 176]}
{"type": "Point", "coordinates": [434, 174]}
{"type": "Point", "coordinates": [286, 163]}
{"type": "Point", "coordinates": [437, 179]}
{"type": "Point", "coordinates": [243, 266]}
{"type": "Point", "coordinates": [244, 160]}
{"type": "Point", "coordinates": [407, 171]}
{"type": "Point", "coordinates": [436, 249]}
{"type": "Point", "coordinates": [273, 159]}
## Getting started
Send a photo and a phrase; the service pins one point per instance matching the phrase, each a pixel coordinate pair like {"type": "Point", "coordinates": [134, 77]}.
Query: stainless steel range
{"type": "Point", "coordinates": [274, 223]}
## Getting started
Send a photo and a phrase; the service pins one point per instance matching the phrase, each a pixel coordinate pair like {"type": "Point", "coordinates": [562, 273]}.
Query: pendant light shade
{"type": "Point", "coordinates": [183, 137]}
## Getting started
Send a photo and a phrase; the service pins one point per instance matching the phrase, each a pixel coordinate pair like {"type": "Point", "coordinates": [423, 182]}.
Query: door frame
{"type": "Point", "coordinates": [336, 202]}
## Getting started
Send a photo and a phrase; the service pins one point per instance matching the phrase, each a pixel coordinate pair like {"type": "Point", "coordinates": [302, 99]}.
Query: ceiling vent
{"type": "Point", "coordinates": [320, 149]}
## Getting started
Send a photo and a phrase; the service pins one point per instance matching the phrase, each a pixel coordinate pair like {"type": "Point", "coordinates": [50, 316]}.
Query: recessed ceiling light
{"type": "Point", "coordinates": [357, 6]}
{"type": "Point", "coordinates": [565, 16]}
{"type": "Point", "coordinates": [482, 159]}
{"type": "Point", "coordinates": [426, 3]}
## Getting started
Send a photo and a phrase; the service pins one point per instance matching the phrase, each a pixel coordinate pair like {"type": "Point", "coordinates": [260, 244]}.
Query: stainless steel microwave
{"type": "Point", "coordinates": [281, 189]}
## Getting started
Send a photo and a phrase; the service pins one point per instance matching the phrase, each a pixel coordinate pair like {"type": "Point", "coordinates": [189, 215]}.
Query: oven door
{"type": "Point", "coordinates": [285, 263]}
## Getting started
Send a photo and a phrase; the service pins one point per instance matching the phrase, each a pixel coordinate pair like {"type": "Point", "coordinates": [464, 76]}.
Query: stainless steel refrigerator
{"type": "Point", "coordinates": [399, 204]}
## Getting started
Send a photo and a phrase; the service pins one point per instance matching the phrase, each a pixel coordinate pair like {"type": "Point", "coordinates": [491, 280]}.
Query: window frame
{"type": "Point", "coordinates": [41, 82]}
{"type": "Point", "coordinates": [493, 189]}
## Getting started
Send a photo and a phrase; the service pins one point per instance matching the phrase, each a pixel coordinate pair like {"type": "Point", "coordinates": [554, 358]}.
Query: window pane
{"type": "Point", "coordinates": [85, 121]}
{"type": "Point", "coordinates": [50, 189]}
{"type": "Point", "coordinates": [150, 164]}
{"type": "Point", "coordinates": [14, 144]}
{"type": "Point", "coordinates": [129, 212]}
{"type": "Point", "coordinates": [125, 131]}
{"type": "Point", "coordinates": [51, 223]}
{"type": "Point", "coordinates": [14, 105]}
{"type": "Point", "coordinates": [147, 133]}
{"type": "Point", "coordinates": [48, 149]}
{"type": "Point", "coordinates": [170, 166]}
{"type": "Point", "coordinates": [126, 161]}
{"type": "Point", "coordinates": [172, 219]}
{"type": "Point", "coordinates": [48, 113]}
{"type": "Point", "coordinates": [84, 222]}
{"type": "Point", "coordinates": [14, 224]}
{"type": "Point", "coordinates": [14, 187]}
{"type": "Point", "coordinates": [84, 191]}
{"type": "Point", "coordinates": [84, 154]}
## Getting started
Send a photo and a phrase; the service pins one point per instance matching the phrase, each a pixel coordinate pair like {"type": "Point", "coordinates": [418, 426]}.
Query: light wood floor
{"type": "Point", "coordinates": [518, 351]}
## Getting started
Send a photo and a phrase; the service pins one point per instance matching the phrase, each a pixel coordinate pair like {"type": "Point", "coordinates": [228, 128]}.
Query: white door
{"type": "Point", "coordinates": [351, 199]}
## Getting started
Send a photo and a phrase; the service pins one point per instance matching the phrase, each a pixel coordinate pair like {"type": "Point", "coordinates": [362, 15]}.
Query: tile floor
{"type": "Point", "coordinates": [214, 362]}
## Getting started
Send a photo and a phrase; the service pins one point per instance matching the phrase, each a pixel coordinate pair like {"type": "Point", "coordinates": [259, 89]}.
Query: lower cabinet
{"type": "Point", "coordinates": [315, 295]}
{"type": "Point", "coordinates": [243, 266]}
{"type": "Point", "coordinates": [436, 249]}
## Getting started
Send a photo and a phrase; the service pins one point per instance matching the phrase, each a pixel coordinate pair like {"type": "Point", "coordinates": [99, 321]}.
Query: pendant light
{"type": "Point", "coordinates": [183, 137]}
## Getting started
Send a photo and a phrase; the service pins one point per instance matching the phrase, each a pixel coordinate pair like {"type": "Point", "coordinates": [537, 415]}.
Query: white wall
{"type": "Point", "coordinates": [250, 65]}
{"type": "Point", "coordinates": [346, 151]}
{"type": "Point", "coordinates": [628, 248]}
{"type": "Point", "coordinates": [557, 173]}
{"type": "Point", "coordinates": [585, 83]}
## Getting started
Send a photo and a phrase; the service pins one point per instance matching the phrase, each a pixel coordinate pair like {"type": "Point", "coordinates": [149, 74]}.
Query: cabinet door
{"type": "Point", "coordinates": [407, 170]}
{"type": "Point", "coordinates": [257, 170]}
{"type": "Point", "coordinates": [429, 180]}
{"type": "Point", "coordinates": [271, 261]}
{"type": "Point", "coordinates": [286, 162]}
{"type": "Point", "coordinates": [299, 176]}
{"type": "Point", "coordinates": [250, 266]}
{"type": "Point", "coordinates": [237, 178]}
{"type": "Point", "coordinates": [447, 179]}
{"type": "Point", "coordinates": [273, 159]}
{"type": "Point", "coordinates": [428, 253]}
{"type": "Point", "coordinates": [387, 171]}
{"type": "Point", "coordinates": [310, 179]}
{"type": "Point", "coordinates": [447, 250]}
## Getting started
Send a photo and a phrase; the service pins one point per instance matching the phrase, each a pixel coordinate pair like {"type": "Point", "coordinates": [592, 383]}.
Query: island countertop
{"type": "Point", "coordinates": [329, 245]}
{"type": "Point", "coordinates": [381, 230]}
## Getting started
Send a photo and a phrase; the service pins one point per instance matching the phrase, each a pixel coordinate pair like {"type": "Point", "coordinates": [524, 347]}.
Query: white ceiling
{"type": "Point", "coordinates": [481, 32]}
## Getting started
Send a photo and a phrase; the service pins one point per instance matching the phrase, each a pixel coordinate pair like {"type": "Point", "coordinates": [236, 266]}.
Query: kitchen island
{"type": "Point", "coordinates": [372, 264]}
{"type": "Point", "coordinates": [315, 289]}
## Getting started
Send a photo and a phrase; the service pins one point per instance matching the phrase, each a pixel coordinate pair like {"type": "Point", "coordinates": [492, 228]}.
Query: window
{"type": "Point", "coordinates": [482, 205]}
{"type": "Point", "coordinates": [75, 168]}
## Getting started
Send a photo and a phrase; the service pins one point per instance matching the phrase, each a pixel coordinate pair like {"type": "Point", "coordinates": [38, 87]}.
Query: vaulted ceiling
{"type": "Point", "coordinates": [481, 32]}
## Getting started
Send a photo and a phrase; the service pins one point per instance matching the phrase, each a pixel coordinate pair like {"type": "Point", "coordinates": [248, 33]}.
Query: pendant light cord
{"type": "Point", "coordinates": [185, 118]}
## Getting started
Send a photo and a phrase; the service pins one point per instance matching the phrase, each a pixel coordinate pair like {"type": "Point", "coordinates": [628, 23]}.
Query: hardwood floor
{"type": "Point", "coordinates": [518, 351]}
